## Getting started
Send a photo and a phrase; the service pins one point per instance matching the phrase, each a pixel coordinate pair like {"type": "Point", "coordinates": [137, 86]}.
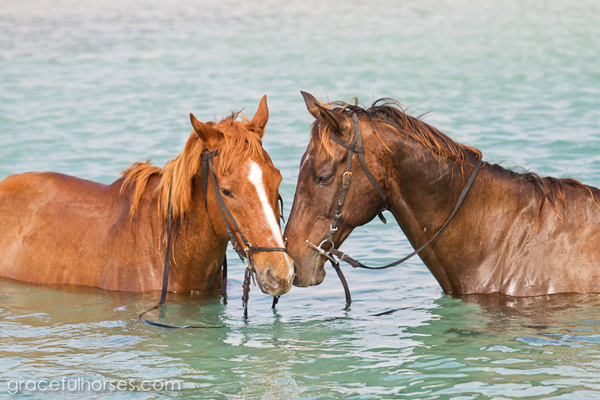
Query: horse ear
{"type": "Point", "coordinates": [311, 102]}
{"type": "Point", "coordinates": [210, 136]}
{"type": "Point", "coordinates": [261, 117]}
{"type": "Point", "coordinates": [336, 121]}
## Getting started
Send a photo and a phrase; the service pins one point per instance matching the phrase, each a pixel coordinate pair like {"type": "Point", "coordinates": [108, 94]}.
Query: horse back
{"type": "Point", "coordinates": [56, 228]}
{"type": "Point", "coordinates": [539, 245]}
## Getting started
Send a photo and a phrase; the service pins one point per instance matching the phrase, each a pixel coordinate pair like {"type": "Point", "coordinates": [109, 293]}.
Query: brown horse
{"type": "Point", "coordinates": [516, 233]}
{"type": "Point", "coordinates": [63, 230]}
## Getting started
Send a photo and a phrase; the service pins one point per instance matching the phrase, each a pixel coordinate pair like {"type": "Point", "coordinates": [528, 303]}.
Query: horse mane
{"type": "Point", "coordinates": [390, 115]}
{"type": "Point", "coordinates": [238, 139]}
{"type": "Point", "coordinates": [547, 189]}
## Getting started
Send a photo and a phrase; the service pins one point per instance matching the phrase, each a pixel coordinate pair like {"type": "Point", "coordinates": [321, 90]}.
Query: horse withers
{"type": "Point", "coordinates": [58, 229]}
{"type": "Point", "coordinates": [515, 233]}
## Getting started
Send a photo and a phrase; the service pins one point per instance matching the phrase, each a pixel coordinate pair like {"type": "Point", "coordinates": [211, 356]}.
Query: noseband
{"type": "Point", "coordinates": [246, 253]}
{"type": "Point", "coordinates": [355, 146]}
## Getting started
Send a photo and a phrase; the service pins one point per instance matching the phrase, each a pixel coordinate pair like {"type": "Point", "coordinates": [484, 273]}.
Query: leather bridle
{"type": "Point", "coordinates": [355, 146]}
{"type": "Point", "coordinates": [245, 253]}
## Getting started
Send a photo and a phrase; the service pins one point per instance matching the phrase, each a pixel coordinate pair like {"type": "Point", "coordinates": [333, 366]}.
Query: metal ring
{"type": "Point", "coordinates": [325, 241]}
{"type": "Point", "coordinates": [320, 250]}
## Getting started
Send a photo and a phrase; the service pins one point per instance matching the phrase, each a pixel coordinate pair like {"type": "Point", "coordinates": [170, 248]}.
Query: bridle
{"type": "Point", "coordinates": [245, 253]}
{"type": "Point", "coordinates": [355, 146]}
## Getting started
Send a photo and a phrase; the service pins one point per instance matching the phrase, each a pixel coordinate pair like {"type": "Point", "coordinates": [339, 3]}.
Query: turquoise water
{"type": "Point", "coordinates": [87, 88]}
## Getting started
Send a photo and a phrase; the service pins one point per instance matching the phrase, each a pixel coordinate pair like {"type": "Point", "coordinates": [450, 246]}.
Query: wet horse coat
{"type": "Point", "coordinates": [64, 230]}
{"type": "Point", "coordinates": [517, 234]}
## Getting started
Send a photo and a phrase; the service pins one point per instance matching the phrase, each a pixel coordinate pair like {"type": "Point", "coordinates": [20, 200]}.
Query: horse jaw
{"type": "Point", "coordinates": [317, 274]}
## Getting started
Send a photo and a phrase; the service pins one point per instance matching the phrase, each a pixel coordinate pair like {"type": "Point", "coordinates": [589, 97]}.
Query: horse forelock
{"type": "Point", "coordinates": [239, 143]}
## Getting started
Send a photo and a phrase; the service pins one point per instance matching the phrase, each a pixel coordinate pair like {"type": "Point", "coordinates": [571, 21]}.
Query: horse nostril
{"type": "Point", "coordinates": [271, 279]}
{"type": "Point", "coordinates": [275, 282]}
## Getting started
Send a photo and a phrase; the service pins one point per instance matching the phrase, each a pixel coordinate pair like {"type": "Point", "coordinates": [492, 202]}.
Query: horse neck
{"type": "Point", "coordinates": [425, 189]}
{"type": "Point", "coordinates": [197, 250]}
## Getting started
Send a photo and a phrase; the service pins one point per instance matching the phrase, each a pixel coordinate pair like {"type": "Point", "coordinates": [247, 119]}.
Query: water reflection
{"type": "Point", "coordinates": [500, 345]}
{"type": "Point", "coordinates": [488, 345]}
{"type": "Point", "coordinates": [50, 332]}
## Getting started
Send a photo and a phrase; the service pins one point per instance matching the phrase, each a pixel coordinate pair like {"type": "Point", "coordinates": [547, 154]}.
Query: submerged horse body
{"type": "Point", "coordinates": [63, 230]}
{"type": "Point", "coordinates": [515, 233]}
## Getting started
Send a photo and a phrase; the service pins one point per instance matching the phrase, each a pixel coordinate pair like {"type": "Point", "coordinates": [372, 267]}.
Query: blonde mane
{"type": "Point", "coordinates": [238, 139]}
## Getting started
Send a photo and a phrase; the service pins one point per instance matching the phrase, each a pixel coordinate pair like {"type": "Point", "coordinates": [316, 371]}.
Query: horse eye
{"type": "Point", "coordinates": [226, 193]}
{"type": "Point", "coordinates": [326, 178]}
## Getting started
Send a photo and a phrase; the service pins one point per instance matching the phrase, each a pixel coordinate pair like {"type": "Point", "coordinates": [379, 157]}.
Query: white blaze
{"type": "Point", "coordinates": [256, 178]}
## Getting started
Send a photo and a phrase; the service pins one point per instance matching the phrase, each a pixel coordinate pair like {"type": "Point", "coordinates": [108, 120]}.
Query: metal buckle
{"type": "Point", "coordinates": [249, 264]}
{"type": "Point", "coordinates": [247, 251]}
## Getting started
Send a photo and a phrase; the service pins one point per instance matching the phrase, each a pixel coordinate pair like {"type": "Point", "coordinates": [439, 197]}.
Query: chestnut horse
{"type": "Point", "coordinates": [515, 233]}
{"type": "Point", "coordinates": [60, 229]}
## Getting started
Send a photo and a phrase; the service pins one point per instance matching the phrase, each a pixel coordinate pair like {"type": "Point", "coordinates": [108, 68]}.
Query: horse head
{"type": "Point", "coordinates": [321, 176]}
{"type": "Point", "coordinates": [247, 200]}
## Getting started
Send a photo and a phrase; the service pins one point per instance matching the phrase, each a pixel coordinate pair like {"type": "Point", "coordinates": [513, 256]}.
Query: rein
{"type": "Point", "coordinates": [245, 254]}
{"type": "Point", "coordinates": [163, 295]}
{"type": "Point", "coordinates": [355, 146]}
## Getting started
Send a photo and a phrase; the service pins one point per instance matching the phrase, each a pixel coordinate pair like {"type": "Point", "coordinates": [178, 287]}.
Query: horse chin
{"type": "Point", "coordinates": [272, 291]}
{"type": "Point", "coordinates": [316, 275]}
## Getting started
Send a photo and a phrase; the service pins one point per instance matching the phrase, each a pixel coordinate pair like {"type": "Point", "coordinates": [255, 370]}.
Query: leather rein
{"type": "Point", "coordinates": [355, 146]}
{"type": "Point", "coordinates": [245, 253]}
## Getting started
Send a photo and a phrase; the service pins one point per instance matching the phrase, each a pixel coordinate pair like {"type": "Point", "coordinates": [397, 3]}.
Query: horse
{"type": "Point", "coordinates": [59, 229]}
{"type": "Point", "coordinates": [516, 233]}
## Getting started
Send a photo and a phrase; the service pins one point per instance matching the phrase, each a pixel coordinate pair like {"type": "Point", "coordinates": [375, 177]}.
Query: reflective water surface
{"type": "Point", "coordinates": [87, 88]}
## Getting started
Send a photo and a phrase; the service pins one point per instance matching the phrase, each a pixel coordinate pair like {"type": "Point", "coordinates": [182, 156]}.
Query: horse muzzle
{"type": "Point", "coordinates": [276, 279]}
